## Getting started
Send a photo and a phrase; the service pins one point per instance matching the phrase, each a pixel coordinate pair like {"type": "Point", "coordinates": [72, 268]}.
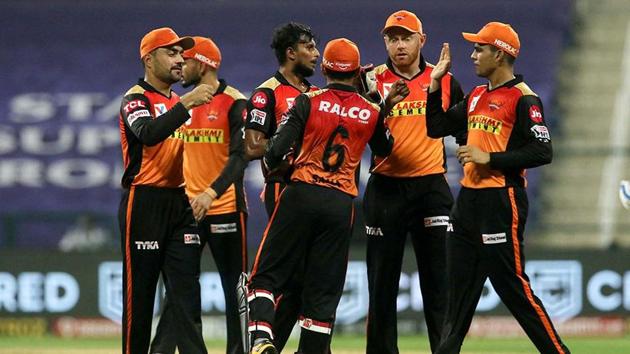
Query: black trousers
{"type": "Point", "coordinates": [289, 303]}
{"type": "Point", "coordinates": [159, 234]}
{"type": "Point", "coordinates": [487, 241]}
{"type": "Point", "coordinates": [311, 227]}
{"type": "Point", "coordinates": [394, 208]}
{"type": "Point", "coordinates": [226, 237]}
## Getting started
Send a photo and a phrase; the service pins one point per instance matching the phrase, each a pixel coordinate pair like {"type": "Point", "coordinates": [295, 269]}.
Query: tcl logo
{"type": "Point", "coordinates": [259, 100]}
{"type": "Point", "coordinates": [133, 105]}
{"type": "Point", "coordinates": [535, 114]}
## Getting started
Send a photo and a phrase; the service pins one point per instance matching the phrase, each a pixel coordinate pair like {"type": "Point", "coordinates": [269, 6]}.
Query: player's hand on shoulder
{"type": "Point", "coordinates": [200, 95]}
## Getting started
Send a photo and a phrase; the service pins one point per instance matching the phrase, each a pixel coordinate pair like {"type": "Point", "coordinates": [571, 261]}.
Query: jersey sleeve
{"type": "Point", "coordinates": [530, 144]}
{"type": "Point", "coordinates": [457, 95]}
{"type": "Point", "coordinates": [236, 163]}
{"type": "Point", "coordinates": [261, 111]}
{"type": "Point", "coordinates": [288, 132]}
{"type": "Point", "coordinates": [382, 142]}
{"type": "Point", "coordinates": [442, 123]}
{"type": "Point", "coordinates": [136, 113]}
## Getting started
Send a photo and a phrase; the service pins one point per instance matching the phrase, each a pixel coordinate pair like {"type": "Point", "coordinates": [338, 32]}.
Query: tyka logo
{"type": "Point", "coordinates": [558, 284]}
{"type": "Point", "coordinates": [147, 245]}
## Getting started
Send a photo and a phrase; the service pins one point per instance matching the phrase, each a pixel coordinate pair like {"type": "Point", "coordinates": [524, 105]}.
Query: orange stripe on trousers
{"type": "Point", "coordinates": [264, 238]}
{"type": "Point", "coordinates": [128, 303]}
{"type": "Point", "coordinates": [519, 273]}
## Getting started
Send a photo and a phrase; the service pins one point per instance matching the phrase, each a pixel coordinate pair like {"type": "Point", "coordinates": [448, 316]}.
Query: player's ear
{"type": "Point", "coordinates": [291, 53]}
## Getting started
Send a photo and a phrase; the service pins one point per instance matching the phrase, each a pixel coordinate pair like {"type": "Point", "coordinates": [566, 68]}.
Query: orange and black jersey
{"type": "Point", "coordinates": [414, 153]}
{"type": "Point", "coordinates": [506, 121]}
{"type": "Point", "coordinates": [152, 155]}
{"type": "Point", "coordinates": [331, 128]}
{"type": "Point", "coordinates": [268, 105]}
{"type": "Point", "coordinates": [213, 150]}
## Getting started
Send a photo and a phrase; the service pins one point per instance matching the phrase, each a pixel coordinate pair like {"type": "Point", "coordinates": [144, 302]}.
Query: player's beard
{"type": "Point", "coordinates": [303, 71]}
{"type": "Point", "coordinates": [193, 81]}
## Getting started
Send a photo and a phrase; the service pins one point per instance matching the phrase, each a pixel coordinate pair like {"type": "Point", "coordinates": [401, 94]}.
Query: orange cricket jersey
{"type": "Point", "coordinates": [414, 153]}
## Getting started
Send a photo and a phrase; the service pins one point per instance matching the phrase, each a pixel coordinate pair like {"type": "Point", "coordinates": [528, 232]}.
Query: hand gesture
{"type": "Point", "coordinates": [444, 64]}
{"type": "Point", "coordinates": [200, 205]}
{"type": "Point", "coordinates": [470, 153]}
{"type": "Point", "coordinates": [202, 94]}
{"type": "Point", "coordinates": [397, 93]}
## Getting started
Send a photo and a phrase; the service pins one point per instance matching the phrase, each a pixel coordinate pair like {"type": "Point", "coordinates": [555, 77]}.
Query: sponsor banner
{"type": "Point", "coordinates": [70, 327]}
{"type": "Point", "coordinates": [20, 327]}
{"type": "Point", "coordinates": [507, 327]}
{"type": "Point", "coordinates": [52, 285]}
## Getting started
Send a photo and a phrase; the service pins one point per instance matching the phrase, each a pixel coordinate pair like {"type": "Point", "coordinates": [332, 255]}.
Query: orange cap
{"type": "Point", "coordinates": [163, 37]}
{"type": "Point", "coordinates": [404, 19]}
{"type": "Point", "coordinates": [341, 55]}
{"type": "Point", "coordinates": [205, 51]}
{"type": "Point", "coordinates": [498, 34]}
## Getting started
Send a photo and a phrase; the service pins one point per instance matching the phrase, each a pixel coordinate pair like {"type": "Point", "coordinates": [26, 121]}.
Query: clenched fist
{"type": "Point", "coordinates": [202, 94]}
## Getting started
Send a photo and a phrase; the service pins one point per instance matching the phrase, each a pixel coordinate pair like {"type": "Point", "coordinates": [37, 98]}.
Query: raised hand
{"type": "Point", "coordinates": [444, 64]}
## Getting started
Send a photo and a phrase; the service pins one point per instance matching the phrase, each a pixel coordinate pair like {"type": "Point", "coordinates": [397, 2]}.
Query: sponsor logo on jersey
{"type": "Point", "coordinates": [347, 112]}
{"type": "Point", "coordinates": [160, 108]}
{"type": "Point", "coordinates": [434, 221]}
{"type": "Point", "coordinates": [192, 239]}
{"type": "Point", "coordinates": [147, 245]}
{"type": "Point", "coordinates": [213, 136]}
{"type": "Point", "coordinates": [541, 133]}
{"type": "Point", "coordinates": [486, 124]}
{"type": "Point", "coordinates": [259, 100]}
{"type": "Point", "coordinates": [258, 116]}
{"type": "Point", "coordinates": [223, 228]}
{"type": "Point", "coordinates": [495, 105]}
{"type": "Point", "coordinates": [290, 102]}
{"type": "Point", "coordinates": [133, 105]}
{"type": "Point", "coordinates": [409, 108]}
{"type": "Point", "coordinates": [490, 239]}
{"type": "Point", "coordinates": [535, 114]}
{"type": "Point", "coordinates": [137, 114]}
{"type": "Point", "coordinates": [373, 231]}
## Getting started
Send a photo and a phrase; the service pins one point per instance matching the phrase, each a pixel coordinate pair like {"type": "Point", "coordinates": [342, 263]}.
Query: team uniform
{"type": "Point", "coordinates": [407, 193]}
{"type": "Point", "coordinates": [489, 216]}
{"type": "Point", "coordinates": [313, 219]}
{"type": "Point", "coordinates": [213, 156]}
{"type": "Point", "coordinates": [266, 108]}
{"type": "Point", "coordinates": [157, 226]}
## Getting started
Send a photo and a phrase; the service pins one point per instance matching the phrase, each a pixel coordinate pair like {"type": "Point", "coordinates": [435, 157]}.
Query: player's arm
{"type": "Point", "coordinates": [136, 112]}
{"type": "Point", "coordinates": [530, 143]}
{"type": "Point", "coordinates": [457, 95]}
{"type": "Point", "coordinates": [236, 163]}
{"type": "Point", "coordinates": [288, 133]}
{"type": "Point", "coordinates": [441, 123]}
{"type": "Point", "coordinates": [259, 122]}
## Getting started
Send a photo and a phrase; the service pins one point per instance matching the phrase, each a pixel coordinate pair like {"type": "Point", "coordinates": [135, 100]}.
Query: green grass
{"type": "Point", "coordinates": [341, 344]}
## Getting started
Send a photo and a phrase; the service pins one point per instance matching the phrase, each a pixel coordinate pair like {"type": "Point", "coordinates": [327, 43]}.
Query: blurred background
{"type": "Point", "coordinates": [66, 64]}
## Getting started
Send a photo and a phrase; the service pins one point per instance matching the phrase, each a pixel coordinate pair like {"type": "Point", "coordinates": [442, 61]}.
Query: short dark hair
{"type": "Point", "coordinates": [289, 35]}
{"type": "Point", "coordinates": [508, 57]}
{"type": "Point", "coordinates": [341, 75]}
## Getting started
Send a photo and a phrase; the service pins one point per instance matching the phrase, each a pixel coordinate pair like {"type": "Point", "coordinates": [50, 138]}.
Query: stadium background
{"type": "Point", "coordinates": [65, 67]}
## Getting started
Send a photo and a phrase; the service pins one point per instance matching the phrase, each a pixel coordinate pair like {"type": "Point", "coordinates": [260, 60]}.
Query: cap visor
{"type": "Point", "coordinates": [399, 26]}
{"type": "Point", "coordinates": [184, 42]}
{"type": "Point", "coordinates": [473, 37]}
